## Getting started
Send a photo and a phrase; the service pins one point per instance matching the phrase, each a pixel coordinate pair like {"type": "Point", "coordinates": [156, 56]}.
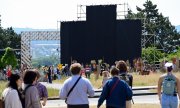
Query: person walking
{"type": "Point", "coordinates": [42, 90]}
{"type": "Point", "coordinates": [50, 72]}
{"type": "Point", "coordinates": [128, 78]}
{"type": "Point", "coordinates": [31, 93]}
{"type": "Point", "coordinates": [76, 89]}
{"type": "Point", "coordinates": [168, 84]}
{"type": "Point", "coordinates": [115, 91]}
{"type": "Point", "coordinates": [105, 77]}
{"type": "Point", "coordinates": [11, 95]}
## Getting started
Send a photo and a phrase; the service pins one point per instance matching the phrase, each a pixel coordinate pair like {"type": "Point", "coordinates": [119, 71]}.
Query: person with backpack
{"type": "Point", "coordinates": [128, 78]}
{"type": "Point", "coordinates": [115, 91]}
{"type": "Point", "coordinates": [11, 95]}
{"type": "Point", "coordinates": [31, 92]}
{"type": "Point", "coordinates": [168, 88]}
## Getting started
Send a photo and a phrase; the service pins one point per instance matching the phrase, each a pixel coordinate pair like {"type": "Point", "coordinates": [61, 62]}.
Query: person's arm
{"type": "Point", "coordinates": [45, 95]}
{"type": "Point", "coordinates": [178, 87]}
{"type": "Point", "coordinates": [63, 92]}
{"type": "Point", "coordinates": [44, 101]}
{"type": "Point", "coordinates": [103, 95]}
{"type": "Point", "coordinates": [159, 87]}
{"type": "Point", "coordinates": [129, 92]}
{"type": "Point", "coordinates": [90, 88]}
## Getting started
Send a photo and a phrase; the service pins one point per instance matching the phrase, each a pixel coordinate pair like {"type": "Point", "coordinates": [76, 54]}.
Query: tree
{"type": "Point", "coordinates": [9, 58]}
{"type": "Point", "coordinates": [157, 25]}
{"type": "Point", "coordinates": [8, 38]}
{"type": "Point", "coordinates": [151, 54]}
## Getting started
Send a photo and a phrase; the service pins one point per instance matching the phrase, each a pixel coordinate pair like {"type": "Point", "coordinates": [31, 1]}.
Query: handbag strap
{"type": "Point", "coordinates": [72, 88]}
{"type": "Point", "coordinates": [113, 87]}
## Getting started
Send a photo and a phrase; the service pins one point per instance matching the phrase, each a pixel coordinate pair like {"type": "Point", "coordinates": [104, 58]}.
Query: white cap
{"type": "Point", "coordinates": [168, 64]}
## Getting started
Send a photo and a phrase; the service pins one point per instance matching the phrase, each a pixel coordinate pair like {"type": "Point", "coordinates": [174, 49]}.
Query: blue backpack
{"type": "Point", "coordinates": [169, 85]}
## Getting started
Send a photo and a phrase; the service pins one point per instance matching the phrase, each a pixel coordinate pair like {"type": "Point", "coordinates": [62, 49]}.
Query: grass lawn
{"type": "Point", "coordinates": [139, 80]}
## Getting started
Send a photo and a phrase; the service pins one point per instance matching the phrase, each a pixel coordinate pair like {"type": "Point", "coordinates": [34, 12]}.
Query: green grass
{"type": "Point", "coordinates": [53, 92]}
{"type": "Point", "coordinates": [139, 80]}
{"type": "Point", "coordinates": [2, 87]}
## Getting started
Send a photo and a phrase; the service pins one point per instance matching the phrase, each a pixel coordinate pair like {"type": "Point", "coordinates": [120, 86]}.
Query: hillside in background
{"type": "Point", "coordinates": [19, 30]}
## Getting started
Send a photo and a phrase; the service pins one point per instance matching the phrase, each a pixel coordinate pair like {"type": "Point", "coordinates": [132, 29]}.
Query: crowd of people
{"type": "Point", "coordinates": [25, 91]}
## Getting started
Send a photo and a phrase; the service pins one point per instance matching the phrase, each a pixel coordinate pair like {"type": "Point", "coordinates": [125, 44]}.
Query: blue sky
{"type": "Point", "coordinates": [44, 14]}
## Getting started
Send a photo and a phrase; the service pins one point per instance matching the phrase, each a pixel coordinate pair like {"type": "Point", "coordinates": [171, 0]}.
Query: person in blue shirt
{"type": "Point", "coordinates": [115, 91]}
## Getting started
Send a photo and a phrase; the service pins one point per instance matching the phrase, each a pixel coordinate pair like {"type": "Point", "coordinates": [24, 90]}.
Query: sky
{"type": "Point", "coordinates": [46, 14]}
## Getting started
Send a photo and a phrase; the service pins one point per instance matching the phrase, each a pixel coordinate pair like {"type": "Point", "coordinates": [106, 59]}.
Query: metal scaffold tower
{"type": "Point", "coordinates": [28, 36]}
{"type": "Point", "coordinates": [152, 40]}
{"type": "Point", "coordinates": [121, 11]}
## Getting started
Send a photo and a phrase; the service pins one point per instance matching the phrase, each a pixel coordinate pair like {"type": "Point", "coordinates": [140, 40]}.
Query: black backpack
{"type": "Point", "coordinates": [127, 78]}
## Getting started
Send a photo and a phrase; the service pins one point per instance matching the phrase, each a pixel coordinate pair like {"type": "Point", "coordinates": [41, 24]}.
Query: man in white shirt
{"type": "Point", "coordinates": [78, 98]}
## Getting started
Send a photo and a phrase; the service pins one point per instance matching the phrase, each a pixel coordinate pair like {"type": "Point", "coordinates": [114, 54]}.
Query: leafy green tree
{"type": "Point", "coordinates": [8, 38]}
{"type": "Point", "coordinates": [1, 64]}
{"type": "Point", "coordinates": [9, 58]}
{"type": "Point", "coordinates": [173, 55]}
{"type": "Point", "coordinates": [155, 24]}
{"type": "Point", "coordinates": [152, 54]}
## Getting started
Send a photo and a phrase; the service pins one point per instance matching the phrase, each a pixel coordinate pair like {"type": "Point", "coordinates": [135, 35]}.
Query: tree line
{"type": "Point", "coordinates": [155, 24]}
{"type": "Point", "coordinates": [9, 40]}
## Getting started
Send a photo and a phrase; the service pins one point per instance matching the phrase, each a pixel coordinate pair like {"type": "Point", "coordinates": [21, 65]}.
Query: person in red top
{"type": "Point", "coordinates": [9, 73]}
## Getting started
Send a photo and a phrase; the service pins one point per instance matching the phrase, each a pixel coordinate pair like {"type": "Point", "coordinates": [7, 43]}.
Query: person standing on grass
{"type": "Point", "coordinates": [31, 93]}
{"type": "Point", "coordinates": [170, 85]}
{"type": "Point", "coordinates": [11, 94]}
{"type": "Point", "coordinates": [128, 78]}
{"type": "Point", "coordinates": [78, 97]}
{"type": "Point", "coordinates": [105, 76]}
{"type": "Point", "coordinates": [42, 90]}
{"type": "Point", "coordinates": [115, 91]}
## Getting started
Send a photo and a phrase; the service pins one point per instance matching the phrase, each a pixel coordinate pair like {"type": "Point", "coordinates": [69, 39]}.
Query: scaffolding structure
{"type": "Point", "coordinates": [122, 12]}
{"type": "Point", "coordinates": [153, 39]}
{"type": "Point", "coordinates": [28, 36]}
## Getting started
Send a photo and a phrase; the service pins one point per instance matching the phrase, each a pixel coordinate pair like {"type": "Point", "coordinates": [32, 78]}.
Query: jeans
{"type": "Point", "coordinates": [169, 101]}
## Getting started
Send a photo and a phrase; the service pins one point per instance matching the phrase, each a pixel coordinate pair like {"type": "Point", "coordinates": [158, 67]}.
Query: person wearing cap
{"type": "Point", "coordinates": [169, 85]}
{"type": "Point", "coordinates": [78, 97]}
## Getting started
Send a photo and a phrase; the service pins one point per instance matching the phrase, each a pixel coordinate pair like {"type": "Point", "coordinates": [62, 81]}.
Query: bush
{"type": "Point", "coordinates": [152, 54]}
